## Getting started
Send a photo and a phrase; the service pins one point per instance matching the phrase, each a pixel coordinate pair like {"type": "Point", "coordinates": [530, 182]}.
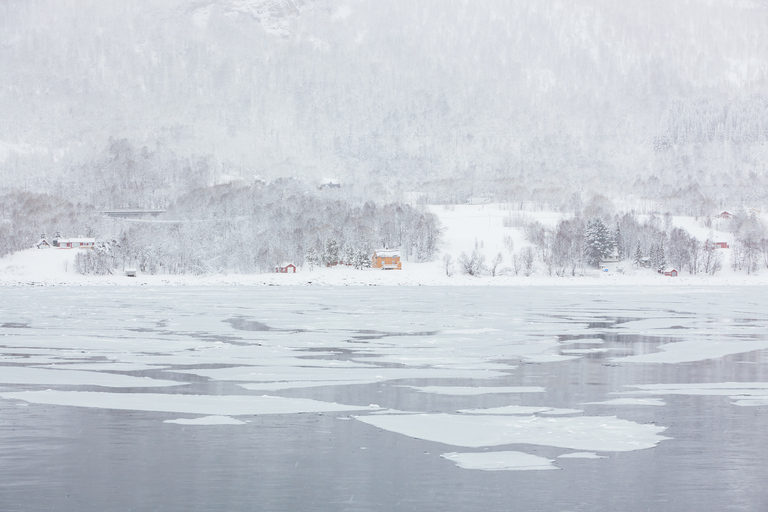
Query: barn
{"type": "Point", "coordinates": [285, 268]}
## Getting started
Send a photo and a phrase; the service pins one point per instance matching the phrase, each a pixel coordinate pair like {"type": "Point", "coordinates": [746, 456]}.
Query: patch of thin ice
{"type": "Point", "coordinates": [695, 350]}
{"type": "Point", "coordinates": [366, 374]}
{"type": "Point", "coordinates": [519, 409]}
{"type": "Point", "coordinates": [98, 366]}
{"type": "Point", "coordinates": [585, 341]}
{"type": "Point", "coordinates": [750, 394]}
{"type": "Point", "coordinates": [629, 401]}
{"type": "Point", "coordinates": [581, 455]}
{"type": "Point", "coordinates": [207, 420]}
{"type": "Point", "coordinates": [500, 461]}
{"type": "Point", "coordinates": [483, 330]}
{"type": "Point", "coordinates": [468, 391]}
{"type": "Point", "coordinates": [584, 350]}
{"type": "Point", "coordinates": [275, 386]}
{"type": "Point", "coordinates": [226, 405]}
{"type": "Point", "coordinates": [48, 377]}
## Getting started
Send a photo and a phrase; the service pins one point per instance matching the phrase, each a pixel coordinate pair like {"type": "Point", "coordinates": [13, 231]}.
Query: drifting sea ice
{"type": "Point", "coordinates": [207, 420]}
{"type": "Point", "coordinates": [230, 405]}
{"type": "Point", "coordinates": [598, 433]}
{"type": "Point", "coordinates": [696, 350]}
{"type": "Point", "coordinates": [47, 377]}
{"type": "Point", "coordinates": [751, 394]}
{"type": "Point", "coordinates": [500, 461]}
{"type": "Point", "coordinates": [469, 391]}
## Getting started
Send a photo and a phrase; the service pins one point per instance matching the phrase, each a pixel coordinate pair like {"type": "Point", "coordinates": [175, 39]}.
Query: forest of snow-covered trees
{"type": "Point", "coordinates": [234, 227]}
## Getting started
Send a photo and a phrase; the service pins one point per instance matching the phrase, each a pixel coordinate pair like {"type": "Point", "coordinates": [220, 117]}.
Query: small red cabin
{"type": "Point", "coordinates": [721, 245]}
{"type": "Point", "coordinates": [671, 273]}
{"type": "Point", "coordinates": [725, 215]}
{"type": "Point", "coordinates": [285, 268]}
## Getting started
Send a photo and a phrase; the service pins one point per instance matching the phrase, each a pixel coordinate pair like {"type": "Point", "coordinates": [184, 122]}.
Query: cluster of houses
{"type": "Point", "coordinates": [384, 259]}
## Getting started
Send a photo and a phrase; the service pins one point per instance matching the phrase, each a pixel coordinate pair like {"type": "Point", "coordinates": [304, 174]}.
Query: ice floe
{"type": "Point", "coordinates": [520, 409]}
{"type": "Point", "coordinates": [207, 420]}
{"type": "Point", "coordinates": [226, 405]}
{"type": "Point", "coordinates": [366, 374]}
{"type": "Point", "coordinates": [629, 401]}
{"type": "Point", "coordinates": [598, 433]}
{"type": "Point", "coordinates": [47, 377]}
{"type": "Point", "coordinates": [500, 461]}
{"type": "Point", "coordinates": [743, 393]}
{"type": "Point", "coordinates": [696, 350]}
{"type": "Point", "coordinates": [480, 390]}
{"type": "Point", "coordinates": [581, 455]}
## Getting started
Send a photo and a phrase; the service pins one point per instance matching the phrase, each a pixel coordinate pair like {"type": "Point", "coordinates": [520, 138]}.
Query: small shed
{"type": "Point", "coordinates": [285, 268]}
{"type": "Point", "coordinates": [721, 245]}
{"type": "Point", "coordinates": [43, 244]}
{"type": "Point", "coordinates": [387, 260]}
{"type": "Point", "coordinates": [725, 215]}
{"type": "Point", "coordinates": [671, 273]}
{"type": "Point", "coordinates": [130, 272]}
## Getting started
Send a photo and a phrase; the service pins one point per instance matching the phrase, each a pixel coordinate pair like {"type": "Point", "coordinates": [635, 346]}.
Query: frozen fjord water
{"type": "Point", "coordinates": [450, 361]}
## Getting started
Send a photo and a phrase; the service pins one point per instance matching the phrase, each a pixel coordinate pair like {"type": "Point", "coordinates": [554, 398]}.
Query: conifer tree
{"type": "Point", "coordinates": [598, 242]}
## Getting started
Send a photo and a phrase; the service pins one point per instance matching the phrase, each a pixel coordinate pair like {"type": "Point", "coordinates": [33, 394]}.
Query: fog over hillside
{"type": "Point", "coordinates": [530, 100]}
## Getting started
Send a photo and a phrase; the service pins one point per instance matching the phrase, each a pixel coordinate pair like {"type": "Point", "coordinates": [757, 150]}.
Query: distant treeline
{"type": "Point", "coordinates": [233, 227]}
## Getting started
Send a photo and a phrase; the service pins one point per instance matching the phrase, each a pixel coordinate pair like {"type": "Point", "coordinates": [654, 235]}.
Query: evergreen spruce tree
{"type": "Point", "coordinates": [618, 242]}
{"type": "Point", "coordinates": [662, 259]}
{"type": "Point", "coordinates": [331, 255]}
{"type": "Point", "coordinates": [598, 242]}
{"type": "Point", "coordinates": [638, 255]}
{"type": "Point", "coordinates": [653, 256]}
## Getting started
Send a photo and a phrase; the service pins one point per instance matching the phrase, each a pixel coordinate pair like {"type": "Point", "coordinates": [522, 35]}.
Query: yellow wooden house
{"type": "Point", "coordinates": [387, 260]}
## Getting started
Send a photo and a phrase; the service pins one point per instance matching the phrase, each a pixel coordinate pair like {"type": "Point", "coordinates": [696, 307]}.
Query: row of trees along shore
{"type": "Point", "coordinates": [236, 228]}
{"type": "Point", "coordinates": [576, 244]}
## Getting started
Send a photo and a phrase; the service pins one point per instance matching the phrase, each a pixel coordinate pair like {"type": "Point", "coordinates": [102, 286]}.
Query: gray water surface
{"type": "Point", "coordinates": [86, 458]}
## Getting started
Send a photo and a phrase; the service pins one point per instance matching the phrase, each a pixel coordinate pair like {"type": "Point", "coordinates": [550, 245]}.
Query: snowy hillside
{"type": "Point", "coordinates": [490, 229]}
{"type": "Point", "coordinates": [531, 100]}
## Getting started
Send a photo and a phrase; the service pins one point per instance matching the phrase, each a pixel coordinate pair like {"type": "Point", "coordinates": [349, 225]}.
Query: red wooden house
{"type": "Point", "coordinates": [671, 273]}
{"type": "Point", "coordinates": [285, 268]}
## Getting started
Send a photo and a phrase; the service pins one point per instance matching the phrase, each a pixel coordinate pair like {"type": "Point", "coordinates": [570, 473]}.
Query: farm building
{"type": "Point", "coordinates": [285, 268]}
{"type": "Point", "coordinates": [77, 243]}
{"type": "Point", "coordinates": [387, 260]}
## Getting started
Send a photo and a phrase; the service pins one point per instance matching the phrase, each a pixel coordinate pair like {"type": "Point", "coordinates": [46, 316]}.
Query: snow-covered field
{"type": "Point", "coordinates": [466, 227]}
